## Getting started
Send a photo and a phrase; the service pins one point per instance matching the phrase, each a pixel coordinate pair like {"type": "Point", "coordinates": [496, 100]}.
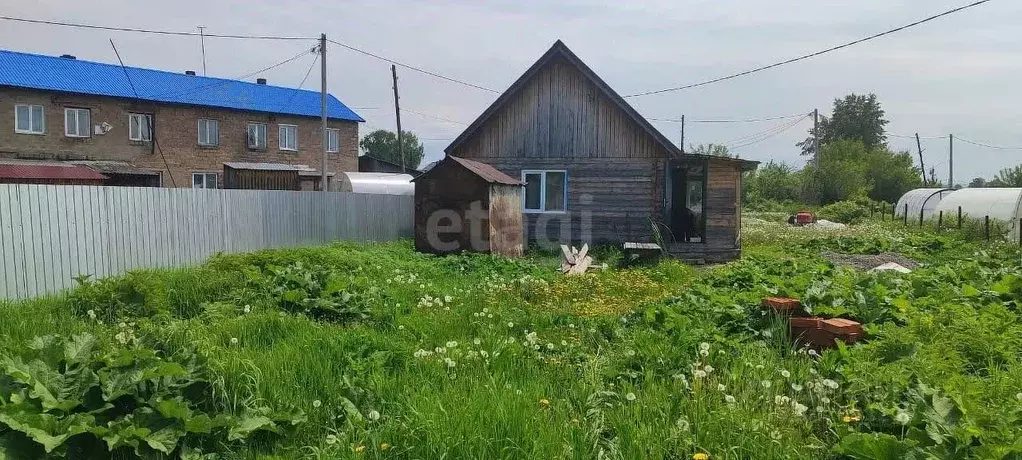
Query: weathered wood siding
{"type": "Point", "coordinates": [723, 214]}
{"type": "Point", "coordinates": [506, 220]}
{"type": "Point", "coordinates": [561, 120]}
{"type": "Point", "coordinates": [442, 221]}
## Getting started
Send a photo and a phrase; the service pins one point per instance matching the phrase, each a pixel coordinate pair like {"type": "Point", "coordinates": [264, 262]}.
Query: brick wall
{"type": "Point", "coordinates": [176, 134]}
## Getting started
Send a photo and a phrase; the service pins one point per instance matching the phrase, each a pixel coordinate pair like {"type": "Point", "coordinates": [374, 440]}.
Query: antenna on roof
{"type": "Point", "coordinates": [202, 43]}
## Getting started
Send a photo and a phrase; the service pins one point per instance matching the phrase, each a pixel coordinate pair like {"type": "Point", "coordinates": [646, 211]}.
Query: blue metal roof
{"type": "Point", "coordinates": [49, 73]}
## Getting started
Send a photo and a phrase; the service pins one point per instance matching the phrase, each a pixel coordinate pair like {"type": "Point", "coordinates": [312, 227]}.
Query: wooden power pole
{"type": "Point", "coordinates": [922, 167]}
{"type": "Point", "coordinates": [682, 134]}
{"type": "Point", "coordinates": [322, 103]}
{"type": "Point", "coordinates": [397, 113]}
{"type": "Point", "coordinates": [951, 161]}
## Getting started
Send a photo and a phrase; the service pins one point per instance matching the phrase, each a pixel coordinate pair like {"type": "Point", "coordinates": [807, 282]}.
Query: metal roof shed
{"type": "Point", "coordinates": [920, 200]}
{"type": "Point", "coordinates": [465, 205]}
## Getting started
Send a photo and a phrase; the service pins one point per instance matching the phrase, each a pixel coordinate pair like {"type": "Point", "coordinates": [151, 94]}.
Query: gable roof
{"type": "Point", "coordinates": [49, 73]}
{"type": "Point", "coordinates": [486, 172]}
{"type": "Point", "coordinates": [559, 49]}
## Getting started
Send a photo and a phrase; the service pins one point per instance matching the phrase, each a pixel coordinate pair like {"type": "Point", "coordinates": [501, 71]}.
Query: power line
{"type": "Point", "coordinates": [411, 67]}
{"type": "Point", "coordinates": [760, 137]}
{"type": "Point", "coordinates": [299, 88]}
{"type": "Point", "coordinates": [981, 144]}
{"type": "Point", "coordinates": [152, 31]}
{"type": "Point", "coordinates": [913, 136]}
{"type": "Point", "coordinates": [807, 56]}
{"type": "Point", "coordinates": [448, 120]}
{"type": "Point", "coordinates": [233, 80]}
{"type": "Point", "coordinates": [746, 120]}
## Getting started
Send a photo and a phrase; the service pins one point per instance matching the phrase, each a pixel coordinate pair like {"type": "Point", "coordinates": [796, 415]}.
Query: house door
{"type": "Point", "coordinates": [686, 204]}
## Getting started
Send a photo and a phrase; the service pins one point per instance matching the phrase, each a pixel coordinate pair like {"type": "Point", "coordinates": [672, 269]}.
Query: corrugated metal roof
{"type": "Point", "coordinates": [116, 167]}
{"type": "Point", "coordinates": [47, 171]}
{"type": "Point", "coordinates": [483, 170]}
{"type": "Point", "coordinates": [35, 71]}
{"type": "Point", "coordinates": [268, 166]}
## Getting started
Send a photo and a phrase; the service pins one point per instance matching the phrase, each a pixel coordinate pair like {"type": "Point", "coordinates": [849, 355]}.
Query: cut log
{"type": "Point", "coordinates": [581, 266]}
{"type": "Point", "coordinates": [582, 253]}
{"type": "Point", "coordinates": [569, 256]}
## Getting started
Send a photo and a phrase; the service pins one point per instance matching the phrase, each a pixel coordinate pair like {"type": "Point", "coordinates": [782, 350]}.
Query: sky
{"type": "Point", "coordinates": [956, 75]}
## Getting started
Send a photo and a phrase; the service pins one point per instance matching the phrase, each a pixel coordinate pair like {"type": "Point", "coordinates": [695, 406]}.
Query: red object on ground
{"type": "Point", "coordinates": [804, 217]}
{"type": "Point", "coordinates": [822, 333]}
{"type": "Point", "coordinates": [842, 326]}
{"type": "Point", "coordinates": [814, 322]}
{"type": "Point", "coordinates": [782, 305]}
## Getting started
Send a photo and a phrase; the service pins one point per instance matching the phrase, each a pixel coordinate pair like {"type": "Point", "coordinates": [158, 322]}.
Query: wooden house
{"type": "Point", "coordinates": [597, 171]}
{"type": "Point", "coordinates": [465, 205]}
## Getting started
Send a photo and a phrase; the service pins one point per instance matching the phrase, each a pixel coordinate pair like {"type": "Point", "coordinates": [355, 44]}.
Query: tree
{"type": "Point", "coordinates": [717, 150]}
{"type": "Point", "coordinates": [382, 144]}
{"type": "Point", "coordinates": [773, 181]}
{"type": "Point", "coordinates": [848, 170]}
{"type": "Point", "coordinates": [978, 182]}
{"type": "Point", "coordinates": [1009, 177]}
{"type": "Point", "coordinates": [891, 174]}
{"type": "Point", "coordinates": [857, 117]}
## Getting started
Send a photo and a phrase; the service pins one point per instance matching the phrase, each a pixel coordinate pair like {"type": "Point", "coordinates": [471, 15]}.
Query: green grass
{"type": "Point", "coordinates": [605, 365]}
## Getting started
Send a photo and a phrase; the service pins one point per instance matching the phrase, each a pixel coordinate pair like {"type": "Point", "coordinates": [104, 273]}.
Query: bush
{"type": "Point", "coordinates": [846, 212]}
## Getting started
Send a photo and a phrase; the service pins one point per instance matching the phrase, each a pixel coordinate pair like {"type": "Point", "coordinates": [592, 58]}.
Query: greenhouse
{"type": "Point", "coordinates": [920, 200]}
{"type": "Point", "coordinates": [379, 183]}
{"type": "Point", "coordinates": [1002, 204]}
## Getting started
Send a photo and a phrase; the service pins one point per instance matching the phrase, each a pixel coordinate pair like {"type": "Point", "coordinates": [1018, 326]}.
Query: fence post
{"type": "Point", "coordinates": [940, 220]}
{"type": "Point", "coordinates": [894, 209]}
{"type": "Point", "coordinates": [959, 217]}
{"type": "Point", "coordinates": [905, 216]}
{"type": "Point", "coordinates": [986, 226]}
{"type": "Point", "coordinates": [920, 217]}
{"type": "Point", "coordinates": [1020, 232]}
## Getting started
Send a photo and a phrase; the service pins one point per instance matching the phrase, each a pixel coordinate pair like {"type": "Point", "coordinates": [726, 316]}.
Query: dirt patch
{"type": "Point", "coordinates": [868, 261]}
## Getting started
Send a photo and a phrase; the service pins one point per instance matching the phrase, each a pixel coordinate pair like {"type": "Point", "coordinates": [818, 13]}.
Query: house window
{"type": "Point", "coordinates": [257, 136]}
{"type": "Point", "coordinates": [333, 140]}
{"type": "Point", "coordinates": [28, 119]}
{"type": "Point", "coordinates": [76, 122]}
{"type": "Point", "coordinates": [545, 191]}
{"type": "Point", "coordinates": [209, 132]}
{"type": "Point", "coordinates": [203, 180]}
{"type": "Point", "coordinates": [288, 137]}
{"type": "Point", "coordinates": [140, 127]}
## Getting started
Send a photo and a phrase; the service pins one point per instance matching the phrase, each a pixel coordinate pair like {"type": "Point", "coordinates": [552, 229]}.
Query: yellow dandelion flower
{"type": "Point", "coordinates": [700, 456]}
{"type": "Point", "coordinates": [851, 418]}
{"type": "Point", "coordinates": [544, 403]}
{"type": "Point", "coordinates": [360, 448]}
{"type": "Point", "coordinates": [384, 446]}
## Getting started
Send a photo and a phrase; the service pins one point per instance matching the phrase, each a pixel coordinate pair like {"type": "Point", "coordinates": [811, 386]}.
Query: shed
{"type": "Point", "coordinates": [921, 201]}
{"type": "Point", "coordinates": [47, 172]}
{"type": "Point", "coordinates": [270, 176]}
{"type": "Point", "coordinates": [465, 205]}
{"type": "Point", "coordinates": [378, 183]}
{"type": "Point", "coordinates": [369, 164]}
{"type": "Point", "coordinates": [1004, 204]}
{"type": "Point", "coordinates": [122, 174]}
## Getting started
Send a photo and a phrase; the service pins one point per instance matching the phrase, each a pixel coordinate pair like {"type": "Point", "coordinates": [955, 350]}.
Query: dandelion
{"type": "Point", "coordinates": [851, 418]}
{"type": "Point", "coordinates": [373, 415]}
{"type": "Point", "coordinates": [447, 299]}
{"type": "Point", "coordinates": [765, 383]}
{"type": "Point", "coordinates": [799, 409]}
{"type": "Point", "coordinates": [699, 373]}
{"type": "Point", "coordinates": [796, 387]}
{"type": "Point", "coordinates": [903, 417]}
{"type": "Point", "coordinates": [122, 325]}
{"type": "Point", "coordinates": [721, 387]}
{"type": "Point", "coordinates": [630, 396]}
{"type": "Point", "coordinates": [1019, 396]}
{"type": "Point", "coordinates": [234, 340]}
{"type": "Point", "coordinates": [704, 353]}
{"type": "Point", "coordinates": [247, 309]}
{"type": "Point", "coordinates": [317, 403]}
{"type": "Point", "coordinates": [452, 344]}
{"type": "Point", "coordinates": [331, 439]}
{"type": "Point", "coordinates": [781, 400]}
{"type": "Point", "coordinates": [490, 316]}
{"type": "Point", "coordinates": [384, 446]}
{"type": "Point", "coordinates": [830, 384]}
{"type": "Point", "coordinates": [476, 341]}
{"type": "Point", "coordinates": [360, 448]}
{"type": "Point", "coordinates": [564, 343]}
{"type": "Point", "coordinates": [510, 324]}
{"type": "Point", "coordinates": [700, 456]}
{"type": "Point", "coordinates": [812, 371]}
{"type": "Point", "coordinates": [785, 373]}
{"type": "Point", "coordinates": [768, 334]}
{"type": "Point", "coordinates": [544, 403]}
{"type": "Point", "coordinates": [450, 362]}
{"type": "Point", "coordinates": [813, 353]}
{"type": "Point", "coordinates": [708, 369]}
{"type": "Point", "coordinates": [571, 325]}
{"type": "Point", "coordinates": [630, 352]}
{"type": "Point", "coordinates": [759, 366]}
{"type": "Point", "coordinates": [775, 435]}
{"type": "Point", "coordinates": [704, 346]}
{"type": "Point", "coordinates": [440, 350]}
{"type": "Point", "coordinates": [484, 353]}
{"type": "Point", "coordinates": [729, 399]}
{"type": "Point", "coordinates": [825, 400]}
{"type": "Point", "coordinates": [92, 314]}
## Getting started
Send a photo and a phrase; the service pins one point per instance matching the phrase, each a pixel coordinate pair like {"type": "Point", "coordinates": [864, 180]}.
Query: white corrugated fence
{"type": "Point", "coordinates": [50, 234]}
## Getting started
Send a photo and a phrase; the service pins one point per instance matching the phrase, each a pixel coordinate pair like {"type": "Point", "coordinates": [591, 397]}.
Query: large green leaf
{"type": "Point", "coordinates": [52, 389]}
{"type": "Point", "coordinates": [48, 430]}
{"type": "Point", "coordinates": [80, 348]}
{"type": "Point", "coordinates": [873, 446]}
{"type": "Point", "coordinates": [175, 408]}
{"type": "Point", "coordinates": [248, 424]}
{"type": "Point", "coordinates": [164, 440]}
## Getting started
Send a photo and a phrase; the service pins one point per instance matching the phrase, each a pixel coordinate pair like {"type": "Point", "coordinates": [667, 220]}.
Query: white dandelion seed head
{"type": "Point", "coordinates": [830, 384]}
{"type": "Point", "coordinates": [373, 415]}
{"type": "Point", "coordinates": [630, 396]}
{"type": "Point", "coordinates": [247, 309]}
{"type": "Point", "coordinates": [903, 417]}
{"type": "Point", "coordinates": [766, 383]}
{"type": "Point", "coordinates": [729, 399]}
{"type": "Point", "coordinates": [768, 334]}
{"type": "Point", "coordinates": [799, 409]}
{"type": "Point", "coordinates": [630, 352]}
{"type": "Point", "coordinates": [550, 346]}
{"type": "Point", "coordinates": [317, 403]}
{"type": "Point", "coordinates": [401, 327]}
{"type": "Point", "coordinates": [721, 387]}
{"type": "Point", "coordinates": [825, 400]}
{"type": "Point", "coordinates": [234, 340]}
{"type": "Point", "coordinates": [698, 374]}
{"type": "Point", "coordinates": [564, 343]}
{"type": "Point", "coordinates": [785, 373]}
{"type": "Point", "coordinates": [781, 400]}
{"type": "Point", "coordinates": [704, 353]}
{"type": "Point", "coordinates": [708, 369]}
{"type": "Point", "coordinates": [452, 344]}
{"type": "Point", "coordinates": [704, 346]}
{"type": "Point", "coordinates": [796, 387]}
{"type": "Point", "coordinates": [812, 371]}
{"type": "Point", "coordinates": [476, 341]}
{"type": "Point", "coordinates": [510, 324]}
{"type": "Point", "coordinates": [813, 353]}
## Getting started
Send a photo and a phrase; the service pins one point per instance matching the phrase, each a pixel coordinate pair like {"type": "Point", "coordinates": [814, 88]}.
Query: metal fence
{"type": "Point", "coordinates": [50, 234]}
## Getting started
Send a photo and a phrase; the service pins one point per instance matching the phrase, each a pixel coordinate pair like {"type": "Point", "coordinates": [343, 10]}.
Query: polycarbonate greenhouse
{"type": "Point", "coordinates": [920, 200]}
{"type": "Point", "coordinates": [1004, 204]}
{"type": "Point", "coordinates": [379, 183]}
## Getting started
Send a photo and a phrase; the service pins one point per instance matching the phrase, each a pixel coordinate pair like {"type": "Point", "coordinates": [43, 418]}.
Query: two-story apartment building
{"type": "Point", "coordinates": [150, 127]}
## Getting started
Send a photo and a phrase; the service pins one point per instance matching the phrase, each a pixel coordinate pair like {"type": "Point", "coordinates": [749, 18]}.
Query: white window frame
{"type": "Point", "coordinates": [281, 138]}
{"type": "Point", "coordinates": [542, 191]}
{"type": "Point", "coordinates": [142, 136]}
{"type": "Point", "coordinates": [205, 179]}
{"type": "Point", "coordinates": [207, 142]}
{"type": "Point", "coordinates": [78, 113]}
{"type": "Point", "coordinates": [333, 140]}
{"type": "Point", "coordinates": [248, 136]}
{"type": "Point", "coordinates": [30, 130]}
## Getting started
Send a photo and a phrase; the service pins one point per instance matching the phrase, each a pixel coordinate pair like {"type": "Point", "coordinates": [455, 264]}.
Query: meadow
{"type": "Point", "coordinates": [373, 351]}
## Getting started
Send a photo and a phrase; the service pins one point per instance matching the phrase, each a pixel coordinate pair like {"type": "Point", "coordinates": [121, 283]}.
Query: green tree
{"type": "Point", "coordinates": [717, 150]}
{"type": "Point", "coordinates": [382, 144]}
{"type": "Point", "coordinates": [857, 117]}
{"type": "Point", "coordinates": [840, 173]}
{"type": "Point", "coordinates": [891, 174]}
{"type": "Point", "coordinates": [1008, 177]}
{"type": "Point", "coordinates": [773, 181]}
{"type": "Point", "coordinates": [978, 182]}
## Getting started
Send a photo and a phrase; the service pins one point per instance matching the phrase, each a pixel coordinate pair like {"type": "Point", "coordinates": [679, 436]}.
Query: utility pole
{"type": "Point", "coordinates": [951, 161]}
{"type": "Point", "coordinates": [682, 134]}
{"type": "Point", "coordinates": [322, 102]}
{"type": "Point", "coordinates": [816, 137]}
{"type": "Point", "coordinates": [922, 167]}
{"type": "Point", "coordinates": [397, 112]}
{"type": "Point", "coordinates": [202, 44]}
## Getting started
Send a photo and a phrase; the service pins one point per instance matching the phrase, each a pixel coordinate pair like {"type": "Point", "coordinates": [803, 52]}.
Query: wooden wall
{"type": "Point", "coordinates": [723, 213]}
{"type": "Point", "coordinates": [561, 120]}
{"type": "Point", "coordinates": [252, 179]}
{"type": "Point", "coordinates": [451, 190]}
{"type": "Point", "coordinates": [506, 220]}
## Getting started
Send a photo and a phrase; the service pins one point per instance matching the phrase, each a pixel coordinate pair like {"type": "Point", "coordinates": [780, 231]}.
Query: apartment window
{"type": "Point", "coordinates": [140, 127]}
{"type": "Point", "coordinates": [28, 119]}
{"type": "Point", "coordinates": [203, 180]}
{"type": "Point", "coordinates": [257, 136]}
{"type": "Point", "coordinates": [333, 140]}
{"type": "Point", "coordinates": [209, 132]}
{"type": "Point", "coordinates": [545, 191]}
{"type": "Point", "coordinates": [76, 122]}
{"type": "Point", "coordinates": [288, 137]}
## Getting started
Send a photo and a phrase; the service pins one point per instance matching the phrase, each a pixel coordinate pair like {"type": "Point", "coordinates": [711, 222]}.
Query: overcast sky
{"type": "Point", "coordinates": [959, 74]}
